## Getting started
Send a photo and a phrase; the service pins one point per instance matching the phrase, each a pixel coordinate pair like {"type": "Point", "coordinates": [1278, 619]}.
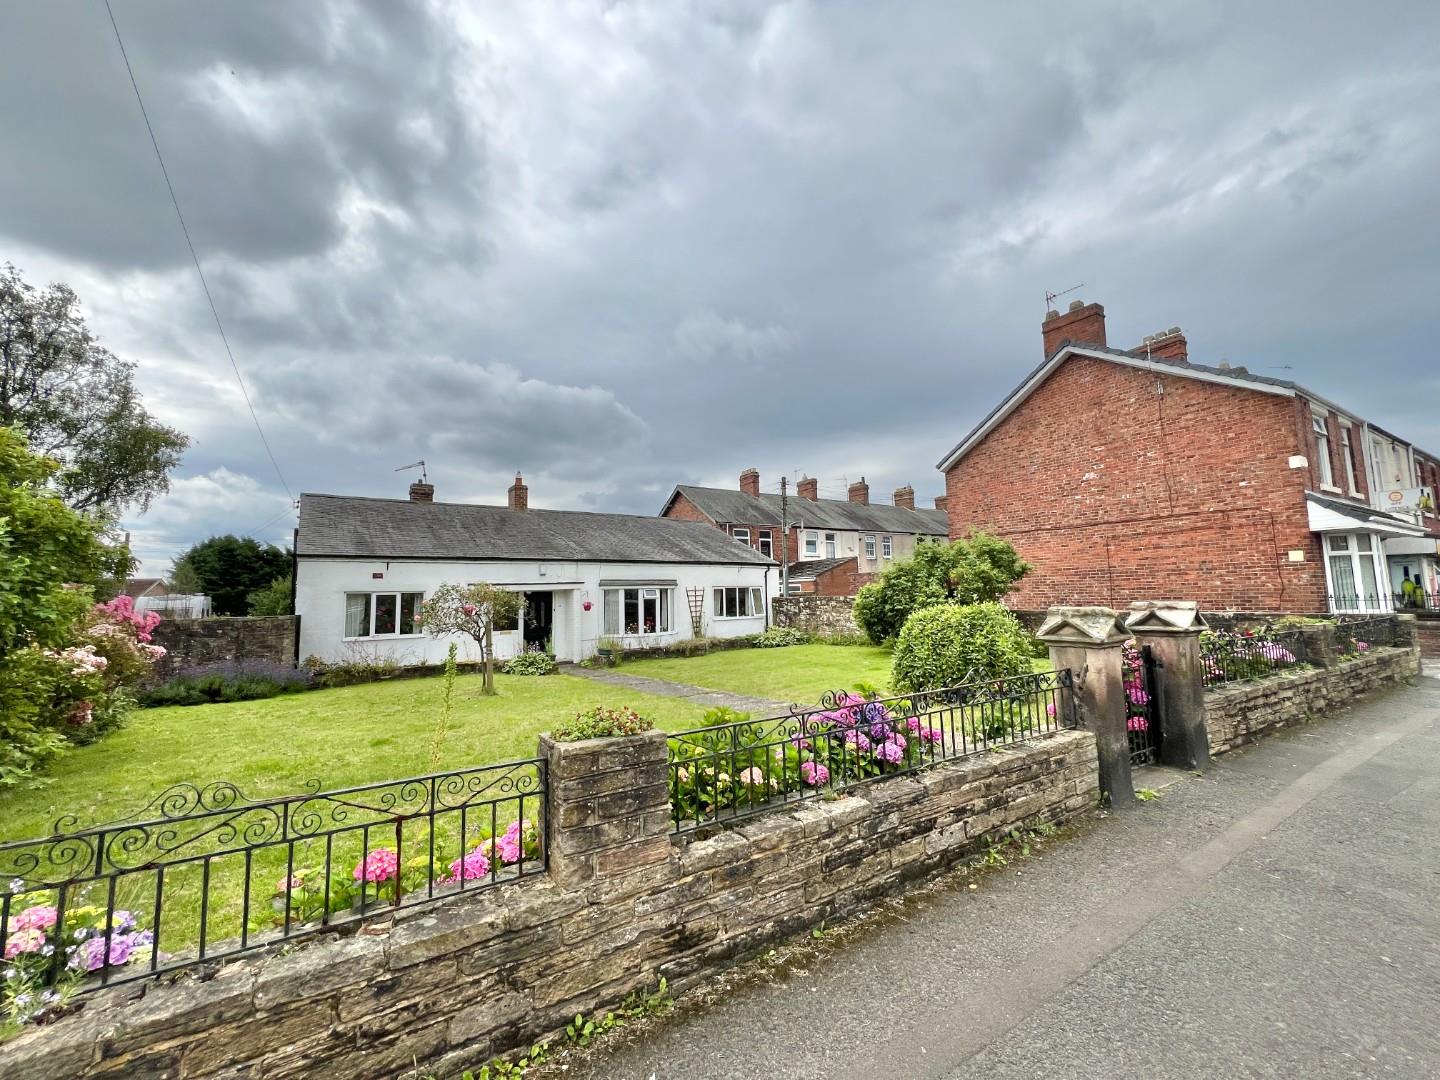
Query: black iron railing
{"type": "Point", "coordinates": [1362, 603]}
{"type": "Point", "coordinates": [1358, 634]}
{"type": "Point", "coordinates": [732, 771]}
{"type": "Point", "coordinates": [1139, 668]}
{"type": "Point", "coordinates": [1229, 656]}
{"type": "Point", "coordinates": [204, 873]}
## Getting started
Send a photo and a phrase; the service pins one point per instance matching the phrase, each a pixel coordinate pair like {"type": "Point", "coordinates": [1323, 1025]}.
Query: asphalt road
{"type": "Point", "coordinates": [1278, 918]}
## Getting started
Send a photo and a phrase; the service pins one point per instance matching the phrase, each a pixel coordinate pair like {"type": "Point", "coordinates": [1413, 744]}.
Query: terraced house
{"type": "Point", "coordinates": [1124, 474]}
{"type": "Point", "coordinates": [833, 546]}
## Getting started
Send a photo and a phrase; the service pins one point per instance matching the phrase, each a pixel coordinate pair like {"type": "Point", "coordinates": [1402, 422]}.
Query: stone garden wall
{"type": "Point", "coordinates": [192, 642]}
{"type": "Point", "coordinates": [819, 616]}
{"type": "Point", "coordinates": [1240, 713]}
{"type": "Point", "coordinates": [436, 990]}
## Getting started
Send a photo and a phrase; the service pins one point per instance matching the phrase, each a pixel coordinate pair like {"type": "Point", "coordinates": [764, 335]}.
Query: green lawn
{"type": "Point", "coordinates": [798, 673]}
{"type": "Point", "coordinates": [353, 735]}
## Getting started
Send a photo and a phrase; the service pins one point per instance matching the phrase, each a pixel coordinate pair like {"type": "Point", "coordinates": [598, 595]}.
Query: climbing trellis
{"type": "Point", "coordinates": [696, 597]}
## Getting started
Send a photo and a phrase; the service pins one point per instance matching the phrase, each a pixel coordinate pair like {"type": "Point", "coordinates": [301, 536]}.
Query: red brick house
{"type": "Point", "coordinates": [863, 536]}
{"type": "Point", "coordinates": [1125, 474]}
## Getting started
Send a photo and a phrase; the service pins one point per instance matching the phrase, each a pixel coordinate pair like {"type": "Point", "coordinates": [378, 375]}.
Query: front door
{"type": "Point", "coordinates": [539, 621]}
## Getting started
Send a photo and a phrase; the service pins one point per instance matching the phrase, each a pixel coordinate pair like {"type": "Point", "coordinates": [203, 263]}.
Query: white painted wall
{"type": "Point", "coordinates": [321, 586]}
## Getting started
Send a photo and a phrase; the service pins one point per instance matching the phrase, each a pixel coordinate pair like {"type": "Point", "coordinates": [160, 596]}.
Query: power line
{"type": "Point", "coordinates": [175, 202]}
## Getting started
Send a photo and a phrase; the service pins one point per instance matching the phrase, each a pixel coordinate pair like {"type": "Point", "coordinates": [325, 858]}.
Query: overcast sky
{"type": "Point", "coordinates": [621, 246]}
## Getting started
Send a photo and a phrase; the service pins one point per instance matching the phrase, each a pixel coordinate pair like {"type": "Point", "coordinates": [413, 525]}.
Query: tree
{"type": "Point", "coordinates": [972, 570]}
{"type": "Point", "coordinates": [76, 401]}
{"type": "Point", "coordinates": [229, 568]}
{"type": "Point", "coordinates": [273, 599]}
{"type": "Point", "coordinates": [183, 578]}
{"type": "Point", "coordinates": [472, 610]}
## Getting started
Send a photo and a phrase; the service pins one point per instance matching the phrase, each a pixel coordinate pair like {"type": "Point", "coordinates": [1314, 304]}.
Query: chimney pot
{"type": "Point", "coordinates": [905, 496]}
{"type": "Point", "coordinates": [1083, 324]}
{"type": "Point", "coordinates": [750, 482]}
{"type": "Point", "coordinates": [808, 488]}
{"type": "Point", "coordinates": [422, 492]}
{"type": "Point", "coordinates": [518, 495]}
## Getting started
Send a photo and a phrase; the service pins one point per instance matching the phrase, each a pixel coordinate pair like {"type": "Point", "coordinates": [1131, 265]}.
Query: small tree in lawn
{"type": "Point", "coordinates": [473, 610]}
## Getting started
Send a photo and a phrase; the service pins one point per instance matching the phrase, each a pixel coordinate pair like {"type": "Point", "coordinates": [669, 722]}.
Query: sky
{"type": "Point", "coordinates": [621, 246]}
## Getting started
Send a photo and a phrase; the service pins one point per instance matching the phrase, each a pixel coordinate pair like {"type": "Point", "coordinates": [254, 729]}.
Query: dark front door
{"type": "Point", "coordinates": [539, 620]}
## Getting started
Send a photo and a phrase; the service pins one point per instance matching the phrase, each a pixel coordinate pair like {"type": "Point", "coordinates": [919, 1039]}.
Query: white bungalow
{"type": "Point", "coordinates": [363, 566]}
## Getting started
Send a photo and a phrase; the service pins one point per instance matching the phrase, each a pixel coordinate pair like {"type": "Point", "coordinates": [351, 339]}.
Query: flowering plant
{"type": "Point", "coordinates": [474, 611]}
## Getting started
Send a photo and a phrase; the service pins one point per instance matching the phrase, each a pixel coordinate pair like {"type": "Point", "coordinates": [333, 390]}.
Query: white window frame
{"type": "Point", "coordinates": [1339, 545]}
{"type": "Point", "coordinates": [1321, 432]}
{"type": "Point", "coordinates": [1347, 451]}
{"type": "Point", "coordinates": [887, 547]}
{"type": "Point", "coordinates": [664, 611]}
{"type": "Point", "coordinates": [399, 595]}
{"type": "Point", "coordinates": [741, 536]}
{"type": "Point", "coordinates": [748, 597]}
{"type": "Point", "coordinates": [812, 544]}
{"type": "Point", "coordinates": [870, 549]}
{"type": "Point", "coordinates": [792, 589]}
{"type": "Point", "coordinates": [765, 543]}
{"type": "Point", "coordinates": [832, 547]}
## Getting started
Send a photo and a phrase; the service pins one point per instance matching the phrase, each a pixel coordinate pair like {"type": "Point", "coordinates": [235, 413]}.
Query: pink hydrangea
{"type": "Point", "coordinates": [472, 866]}
{"type": "Point", "coordinates": [891, 750]}
{"type": "Point", "coordinates": [858, 740]}
{"type": "Point", "coordinates": [1137, 723]}
{"type": "Point", "coordinates": [39, 917]}
{"type": "Point", "coordinates": [24, 941]}
{"type": "Point", "coordinates": [813, 773]}
{"type": "Point", "coordinates": [382, 864]}
{"type": "Point", "coordinates": [1136, 693]}
{"type": "Point", "coordinates": [1363, 646]}
{"type": "Point", "coordinates": [91, 954]}
{"type": "Point", "coordinates": [289, 884]}
{"type": "Point", "coordinates": [1050, 710]}
{"type": "Point", "coordinates": [752, 776]}
{"type": "Point", "coordinates": [81, 714]}
{"type": "Point", "coordinates": [930, 735]}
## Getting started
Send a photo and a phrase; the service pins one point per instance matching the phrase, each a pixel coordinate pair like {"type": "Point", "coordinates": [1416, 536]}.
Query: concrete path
{"type": "Point", "coordinates": [1278, 918]}
{"type": "Point", "coordinates": [701, 695]}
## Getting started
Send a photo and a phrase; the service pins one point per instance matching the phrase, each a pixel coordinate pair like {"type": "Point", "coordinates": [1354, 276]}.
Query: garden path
{"type": "Point", "coordinates": [759, 707]}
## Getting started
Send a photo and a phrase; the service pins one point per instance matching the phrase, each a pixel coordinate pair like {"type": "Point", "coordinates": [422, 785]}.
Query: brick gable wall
{"type": "Point", "coordinates": [682, 509]}
{"type": "Point", "coordinates": [1115, 492]}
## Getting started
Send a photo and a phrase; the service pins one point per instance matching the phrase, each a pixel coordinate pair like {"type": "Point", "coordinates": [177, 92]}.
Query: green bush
{"type": "Point", "coordinates": [950, 644]}
{"type": "Point", "coordinates": [530, 663]}
{"type": "Point", "coordinates": [598, 722]}
{"type": "Point", "coordinates": [778, 637]}
{"type": "Point", "coordinates": [972, 570]}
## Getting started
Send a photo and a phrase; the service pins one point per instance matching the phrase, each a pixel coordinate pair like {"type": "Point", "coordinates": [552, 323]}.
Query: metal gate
{"type": "Point", "coordinates": [1142, 704]}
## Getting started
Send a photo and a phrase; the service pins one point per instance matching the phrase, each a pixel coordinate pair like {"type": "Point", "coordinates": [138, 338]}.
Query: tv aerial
{"type": "Point", "coordinates": [416, 465]}
{"type": "Point", "coordinates": [1051, 297]}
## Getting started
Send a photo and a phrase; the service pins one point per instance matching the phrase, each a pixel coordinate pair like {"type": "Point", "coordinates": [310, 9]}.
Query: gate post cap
{"type": "Point", "coordinates": [1088, 627]}
{"type": "Point", "coordinates": [1166, 617]}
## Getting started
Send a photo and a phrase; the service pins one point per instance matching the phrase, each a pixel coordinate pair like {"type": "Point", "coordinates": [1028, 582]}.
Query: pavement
{"type": "Point", "coordinates": [1277, 917]}
{"type": "Point", "coordinates": [701, 695]}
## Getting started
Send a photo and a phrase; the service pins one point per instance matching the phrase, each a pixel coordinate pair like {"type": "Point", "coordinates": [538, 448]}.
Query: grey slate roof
{"type": "Point", "coordinates": [725, 505]}
{"type": "Point", "coordinates": [815, 567]}
{"type": "Point", "coordinates": [354, 526]}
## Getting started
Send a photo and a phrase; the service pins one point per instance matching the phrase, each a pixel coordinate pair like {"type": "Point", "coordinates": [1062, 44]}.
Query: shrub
{"type": "Point", "coordinates": [245, 680]}
{"type": "Point", "coordinates": [972, 570]}
{"type": "Point", "coordinates": [530, 663]}
{"type": "Point", "coordinates": [777, 637]}
{"type": "Point", "coordinates": [950, 644]}
{"type": "Point", "coordinates": [359, 666]}
{"type": "Point", "coordinates": [598, 722]}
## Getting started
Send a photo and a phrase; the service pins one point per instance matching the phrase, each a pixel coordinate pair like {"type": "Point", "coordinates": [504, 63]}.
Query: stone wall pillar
{"type": "Point", "coordinates": [1407, 635]}
{"type": "Point", "coordinates": [608, 809]}
{"type": "Point", "coordinates": [1087, 640]}
{"type": "Point", "coordinates": [1172, 631]}
{"type": "Point", "coordinates": [1321, 649]}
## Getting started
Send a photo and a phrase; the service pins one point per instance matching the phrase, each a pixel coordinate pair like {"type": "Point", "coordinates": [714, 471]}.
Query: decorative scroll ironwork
{"type": "Point", "coordinates": [206, 871]}
{"type": "Point", "coordinates": [732, 771]}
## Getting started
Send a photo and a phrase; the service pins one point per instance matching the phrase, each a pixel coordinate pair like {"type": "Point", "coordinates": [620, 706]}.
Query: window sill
{"type": "Point", "coordinates": [387, 637]}
{"type": "Point", "coordinates": [1331, 488]}
{"type": "Point", "coordinates": [736, 618]}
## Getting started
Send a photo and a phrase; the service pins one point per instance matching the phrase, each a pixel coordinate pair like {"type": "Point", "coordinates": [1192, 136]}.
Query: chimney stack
{"type": "Point", "coordinates": [1166, 345]}
{"type": "Point", "coordinates": [905, 496]}
{"type": "Point", "coordinates": [939, 502]}
{"type": "Point", "coordinates": [750, 483]}
{"type": "Point", "coordinates": [1083, 324]}
{"type": "Point", "coordinates": [808, 488]}
{"type": "Point", "coordinates": [422, 492]}
{"type": "Point", "coordinates": [859, 492]}
{"type": "Point", "coordinates": [519, 494]}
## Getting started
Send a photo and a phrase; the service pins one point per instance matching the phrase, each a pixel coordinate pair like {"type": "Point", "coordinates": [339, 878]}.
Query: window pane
{"type": "Point", "coordinates": [357, 614]}
{"type": "Point", "coordinates": [1339, 542]}
{"type": "Point", "coordinates": [719, 601]}
{"type": "Point", "coordinates": [1362, 542]}
{"type": "Point", "coordinates": [649, 612]}
{"type": "Point", "coordinates": [732, 603]}
{"type": "Point", "coordinates": [1369, 590]}
{"type": "Point", "coordinates": [812, 541]}
{"type": "Point", "coordinates": [386, 604]}
{"type": "Point", "coordinates": [409, 603]}
{"type": "Point", "coordinates": [612, 611]}
{"type": "Point", "coordinates": [664, 610]}
{"type": "Point", "coordinates": [830, 545]}
{"type": "Point", "coordinates": [632, 611]}
{"type": "Point", "coordinates": [1342, 580]}
{"type": "Point", "coordinates": [757, 603]}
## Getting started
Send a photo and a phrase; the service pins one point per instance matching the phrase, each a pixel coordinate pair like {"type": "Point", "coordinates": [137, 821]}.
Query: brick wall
{"type": "Point", "coordinates": [437, 990]}
{"type": "Point", "coordinates": [1115, 492]}
{"type": "Point", "coordinates": [819, 616]}
{"type": "Point", "coordinates": [1427, 632]}
{"type": "Point", "coordinates": [684, 510]}
{"type": "Point", "coordinates": [192, 642]}
{"type": "Point", "coordinates": [1240, 713]}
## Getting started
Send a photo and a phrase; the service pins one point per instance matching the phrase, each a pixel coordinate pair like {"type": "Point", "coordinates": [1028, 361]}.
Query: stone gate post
{"type": "Point", "coordinates": [1087, 640]}
{"type": "Point", "coordinates": [1172, 629]}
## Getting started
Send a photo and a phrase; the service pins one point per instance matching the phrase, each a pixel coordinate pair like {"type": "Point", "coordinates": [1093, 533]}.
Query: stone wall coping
{"type": "Point", "coordinates": [604, 742]}
{"type": "Point", "coordinates": [1258, 687]}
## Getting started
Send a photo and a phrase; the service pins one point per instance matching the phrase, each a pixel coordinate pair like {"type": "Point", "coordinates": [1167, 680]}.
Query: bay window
{"type": "Point", "coordinates": [1353, 573]}
{"type": "Point", "coordinates": [738, 602]}
{"type": "Point", "coordinates": [637, 611]}
{"type": "Point", "coordinates": [383, 614]}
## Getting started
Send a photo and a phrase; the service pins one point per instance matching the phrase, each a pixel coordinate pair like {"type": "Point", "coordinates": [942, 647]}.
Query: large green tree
{"type": "Point", "coordinates": [977, 568]}
{"type": "Point", "coordinates": [229, 569]}
{"type": "Point", "coordinates": [76, 401]}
